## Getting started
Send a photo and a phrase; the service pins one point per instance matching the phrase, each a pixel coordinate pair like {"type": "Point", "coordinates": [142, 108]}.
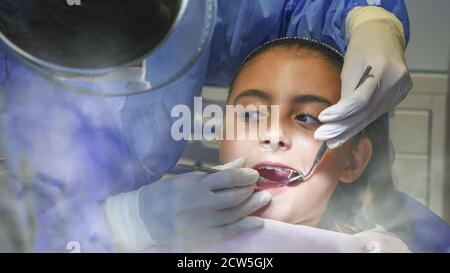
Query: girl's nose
{"type": "Point", "coordinates": [274, 141]}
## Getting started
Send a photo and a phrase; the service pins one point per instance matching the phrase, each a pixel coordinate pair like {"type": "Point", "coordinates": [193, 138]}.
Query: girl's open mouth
{"type": "Point", "coordinates": [274, 175]}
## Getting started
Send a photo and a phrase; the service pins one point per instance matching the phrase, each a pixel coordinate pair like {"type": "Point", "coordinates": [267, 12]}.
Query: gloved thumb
{"type": "Point", "coordinates": [238, 163]}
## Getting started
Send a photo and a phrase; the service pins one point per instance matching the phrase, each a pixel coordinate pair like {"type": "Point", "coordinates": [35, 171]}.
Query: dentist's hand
{"type": "Point", "coordinates": [378, 43]}
{"type": "Point", "coordinates": [195, 209]}
{"type": "Point", "coordinates": [187, 211]}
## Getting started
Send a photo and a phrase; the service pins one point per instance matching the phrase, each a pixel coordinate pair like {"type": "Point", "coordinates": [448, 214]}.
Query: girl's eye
{"type": "Point", "coordinates": [252, 116]}
{"type": "Point", "coordinates": [308, 120]}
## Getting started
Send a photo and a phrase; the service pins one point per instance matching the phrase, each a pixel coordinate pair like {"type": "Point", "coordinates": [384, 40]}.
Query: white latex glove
{"type": "Point", "coordinates": [376, 39]}
{"type": "Point", "coordinates": [187, 211]}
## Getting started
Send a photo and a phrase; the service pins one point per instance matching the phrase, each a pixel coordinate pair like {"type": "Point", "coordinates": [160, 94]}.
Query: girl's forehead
{"type": "Point", "coordinates": [289, 73]}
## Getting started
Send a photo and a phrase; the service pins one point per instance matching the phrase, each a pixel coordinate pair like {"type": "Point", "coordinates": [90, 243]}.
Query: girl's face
{"type": "Point", "coordinates": [302, 85]}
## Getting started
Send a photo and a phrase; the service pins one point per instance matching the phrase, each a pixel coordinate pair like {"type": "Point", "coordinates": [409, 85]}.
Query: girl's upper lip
{"type": "Point", "coordinates": [273, 164]}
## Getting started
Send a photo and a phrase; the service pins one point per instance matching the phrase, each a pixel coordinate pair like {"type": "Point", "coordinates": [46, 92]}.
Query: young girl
{"type": "Point", "coordinates": [351, 188]}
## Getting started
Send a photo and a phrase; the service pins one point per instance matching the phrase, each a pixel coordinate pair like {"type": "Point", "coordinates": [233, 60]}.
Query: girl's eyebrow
{"type": "Point", "coordinates": [302, 99]}
{"type": "Point", "coordinates": [253, 93]}
{"type": "Point", "coordinates": [299, 99]}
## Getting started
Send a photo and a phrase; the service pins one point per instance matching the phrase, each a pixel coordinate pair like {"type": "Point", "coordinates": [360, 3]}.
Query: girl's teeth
{"type": "Point", "coordinates": [290, 172]}
{"type": "Point", "coordinates": [278, 169]}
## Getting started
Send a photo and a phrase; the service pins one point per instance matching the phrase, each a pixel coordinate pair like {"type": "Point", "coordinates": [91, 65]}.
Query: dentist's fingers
{"type": "Point", "coordinates": [212, 217]}
{"type": "Point", "coordinates": [331, 130]}
{"type": "Point", "coordinates": [230, 178]}
{"type": "Point", "coordinates": [352, 104]}
{"type": "Point", "coordinates": [229, 198]}
{"type": "Point", "coordinates": [238, 163]}
{"type": "Point", "coordinates": [344, 137]}
{"type": "Point", "coordinates": [257, 201]}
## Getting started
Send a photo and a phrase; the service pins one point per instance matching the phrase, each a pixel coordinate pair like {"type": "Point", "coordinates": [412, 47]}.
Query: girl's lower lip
{"type": "Point", "coordinates": [272, 188]}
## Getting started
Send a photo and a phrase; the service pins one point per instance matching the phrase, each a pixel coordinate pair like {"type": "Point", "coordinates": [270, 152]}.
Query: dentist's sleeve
{"type": "Point", "coordinates": [66, 147]}
{"type": "Point", "coordinates": [243, 25]}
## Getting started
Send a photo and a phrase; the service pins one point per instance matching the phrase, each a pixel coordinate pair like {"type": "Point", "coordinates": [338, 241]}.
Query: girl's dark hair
{"type": "Point", "coordinates": [372, 198]}
{"type": "Point", "coordinates": [88, 35]}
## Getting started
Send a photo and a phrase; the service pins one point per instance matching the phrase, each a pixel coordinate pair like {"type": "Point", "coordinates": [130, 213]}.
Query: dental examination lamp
{"type": "Point", "coordinates": [97, 37]}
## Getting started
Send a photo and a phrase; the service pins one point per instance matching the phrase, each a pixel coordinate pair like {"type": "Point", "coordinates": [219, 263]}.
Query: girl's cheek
{"type": "Point", "coordinates": [233, 149]}
{"type": "Point", "coordinates": [238, 140]}
{"type": "Point", "coordinates": [305, 149]}
{"type": "Point", "coordinates": [333, 163]}
{"type": "Point", "coordinates": [228, 147]}
{"type": "Point", "coordinates": [229, 150]}
{"type": "Point", "coordinates": [323, 183]}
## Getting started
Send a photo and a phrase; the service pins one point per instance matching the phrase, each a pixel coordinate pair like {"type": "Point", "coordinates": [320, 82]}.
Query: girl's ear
{"type": "Point", "coordinates": [359, 157]}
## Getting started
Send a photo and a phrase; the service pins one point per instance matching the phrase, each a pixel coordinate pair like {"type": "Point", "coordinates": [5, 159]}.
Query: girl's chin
{"type": "Point", "coordinates": [277, 210]}
{"type": "Point", "coordinates": [273, 190]}
{"type": "Point", "coordinates": [270, 212]}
